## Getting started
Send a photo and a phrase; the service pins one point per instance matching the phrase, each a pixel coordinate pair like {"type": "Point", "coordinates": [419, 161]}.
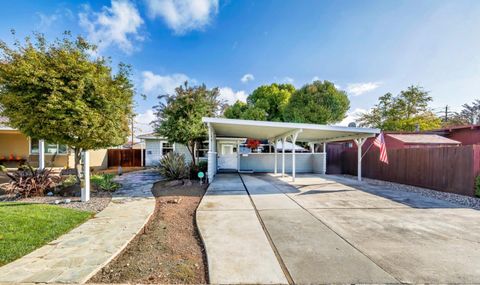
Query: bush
{"type": "Point", "coordinates": [28, 182]}
{"type": "Point", "coordinates": [104, 182]}
{"type": "Point", "coordinates": [173, 166]}
{"type": "Point", "coordinates": [195, 169]}
{"type": "Point", "coordinates": [69, 180]}
{"type": "Point", "coordinates": [477, 186]}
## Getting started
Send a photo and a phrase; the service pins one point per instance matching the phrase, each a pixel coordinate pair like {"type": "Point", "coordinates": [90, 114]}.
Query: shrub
{"type": "Point", "coordinates": [477, 186]}
{"type": "Point", "coordinates": [69, 180]}
{"type": "Point", "coordinates": [28, 182]}
{"type": "Point", "coordinates": [104, 182]}
{"type": "Point", "coordinates": [195, 169]}
{"type": "Point", "coordinates": [173, 166]}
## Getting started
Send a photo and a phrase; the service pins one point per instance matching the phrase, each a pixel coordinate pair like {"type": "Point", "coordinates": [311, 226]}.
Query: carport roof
{"type": "Point", "coordinates": [270, 130]}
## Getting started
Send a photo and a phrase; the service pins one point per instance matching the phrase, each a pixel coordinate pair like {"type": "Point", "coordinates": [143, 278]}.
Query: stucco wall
{"type": "Point", "coordinates": [265, 162]}
{"type": "Point", "coordinates": [318, 163]}
{"type": "Point", "coordinates": [14, 143]}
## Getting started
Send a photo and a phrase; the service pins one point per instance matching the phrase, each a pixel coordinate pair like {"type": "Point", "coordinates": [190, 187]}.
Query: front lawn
{"type": "Point", "coordinates": [25, 227]}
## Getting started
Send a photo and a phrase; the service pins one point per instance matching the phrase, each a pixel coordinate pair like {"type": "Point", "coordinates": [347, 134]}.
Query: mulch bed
{"type": "Point", "coordinates": [169, 250]}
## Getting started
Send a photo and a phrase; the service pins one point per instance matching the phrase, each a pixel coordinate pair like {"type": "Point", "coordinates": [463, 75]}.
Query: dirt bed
{"type": "Point", "coordinates": [169, 250]}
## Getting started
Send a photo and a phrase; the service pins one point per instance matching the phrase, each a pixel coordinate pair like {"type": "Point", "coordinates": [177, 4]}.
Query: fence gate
{"type": "Point", "coordinates": [125, 157]}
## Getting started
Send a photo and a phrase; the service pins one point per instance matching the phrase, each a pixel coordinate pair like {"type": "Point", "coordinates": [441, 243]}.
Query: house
{"type": "Point", "coordinates": [16, 148]}
{"type": "Point", "coordinates": [466, 135]}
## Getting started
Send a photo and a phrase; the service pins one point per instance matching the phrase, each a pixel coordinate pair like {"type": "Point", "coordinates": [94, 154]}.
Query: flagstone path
{"type": "Point", "coordinates": [76, 256]}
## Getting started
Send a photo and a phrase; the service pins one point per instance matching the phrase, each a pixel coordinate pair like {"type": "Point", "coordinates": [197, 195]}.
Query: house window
{"type": "Point", "coordinates": [166, 148]}
{"type": "Point", "coordinates": [202, 150]}
{"type": "Point", "coordinates": [50, 148]}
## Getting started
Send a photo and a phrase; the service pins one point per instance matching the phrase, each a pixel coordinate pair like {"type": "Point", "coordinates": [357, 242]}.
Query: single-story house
{"type": "Point", "coordinates": [15, 147]}
{"type": "Point", "coordinates": [466, 135]}
{"type": "Point", "coordinates": [226, 136]}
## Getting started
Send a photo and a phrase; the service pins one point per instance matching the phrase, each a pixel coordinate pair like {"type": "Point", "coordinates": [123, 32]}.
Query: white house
{"type": "Point", "coordinates": [225, 149]}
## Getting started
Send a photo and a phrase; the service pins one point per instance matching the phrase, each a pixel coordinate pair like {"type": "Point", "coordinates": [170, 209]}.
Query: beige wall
{"type": "Point", "coordinates": [14, 142]}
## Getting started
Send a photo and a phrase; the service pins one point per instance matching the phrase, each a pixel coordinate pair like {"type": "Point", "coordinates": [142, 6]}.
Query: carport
{"type": "Point", "coordinates": [221, 129]}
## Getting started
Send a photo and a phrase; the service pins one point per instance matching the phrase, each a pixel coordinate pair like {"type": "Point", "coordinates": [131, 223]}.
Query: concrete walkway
{"type": "Point", "coordinates": [237, 248]}
{"type": "Point", "coordinates": [76, 256]}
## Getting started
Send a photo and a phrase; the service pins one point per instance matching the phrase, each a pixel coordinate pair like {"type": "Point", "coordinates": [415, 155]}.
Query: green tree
{"type": "Point", "coordinates": [405, 112]}
{"type": "Point", "coordinates": [267, 102]}
{"type": "Point", "coordinates": [318, 103]}
{"type": "Point", "coordinates": [470, 114]}
{"type": "Point", "coordinates": [179, 116]}
{"type": "Point", "coordinates": [57, 92]}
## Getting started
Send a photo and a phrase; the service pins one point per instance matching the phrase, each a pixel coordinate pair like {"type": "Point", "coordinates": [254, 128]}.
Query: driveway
{"type": "Point", "coordinates": [328, 229]}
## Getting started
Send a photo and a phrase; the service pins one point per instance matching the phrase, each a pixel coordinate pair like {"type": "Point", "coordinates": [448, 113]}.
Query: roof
{"type": "Point", "coordinates": [289, 146]}
{"type": "Point", "coordinates": [422, 139]}
{"type": "Point", "coordinates": [271, 130]}
{"type": "Point", "coordinates": [150, 136]}
{"type": "Point", "coordinates": [4, 124]}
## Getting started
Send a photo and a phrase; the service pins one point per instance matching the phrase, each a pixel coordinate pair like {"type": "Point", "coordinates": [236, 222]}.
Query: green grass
{"type": "Point", "coordinates": [25, 227]}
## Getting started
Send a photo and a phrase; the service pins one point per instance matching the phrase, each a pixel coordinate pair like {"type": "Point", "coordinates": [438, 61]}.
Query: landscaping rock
{"type": "Point", "coordinates": [50, 194]}
{"type": "Point", "coordinates": [187, 182]}
{"type": "Point", "coordinates": [174, 183]}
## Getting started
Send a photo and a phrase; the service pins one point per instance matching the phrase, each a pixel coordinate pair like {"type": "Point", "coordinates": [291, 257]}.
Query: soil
{"type": "Point", "coordinates": [169, 250]}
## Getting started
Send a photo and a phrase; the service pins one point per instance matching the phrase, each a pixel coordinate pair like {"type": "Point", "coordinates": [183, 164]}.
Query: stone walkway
{"type": "Point", "coordinates": [76, 256]}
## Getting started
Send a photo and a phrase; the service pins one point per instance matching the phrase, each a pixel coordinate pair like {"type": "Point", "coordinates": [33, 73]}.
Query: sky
{"type": "Point", "coordinates": [367, 48]}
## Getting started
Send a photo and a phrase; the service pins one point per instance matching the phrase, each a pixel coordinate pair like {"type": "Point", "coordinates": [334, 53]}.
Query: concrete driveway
{"type": "Point", "coordinates": [327, 229]}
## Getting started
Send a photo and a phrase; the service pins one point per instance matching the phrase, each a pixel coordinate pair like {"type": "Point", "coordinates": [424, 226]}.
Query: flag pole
{"type": "Point", "coordinates": [368, 148]}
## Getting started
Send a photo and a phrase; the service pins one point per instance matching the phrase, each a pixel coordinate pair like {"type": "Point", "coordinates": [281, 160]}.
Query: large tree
{"type": "Point", "coordinates": [470, 114]}
{"type": "Point", "coordinates": [179, 115]}
{"type": "Point", "coordinates": [267, 102]}
{"type": "Point", "coordinates": [59, 92]}
{"type": "Point", "coordinates": [406, 112]}
{"type": "Point", "coordinates": [319, 103]}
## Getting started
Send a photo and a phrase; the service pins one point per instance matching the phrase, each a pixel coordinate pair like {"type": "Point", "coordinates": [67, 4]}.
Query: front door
{"type": "Point", "coordinates": [227, 158]}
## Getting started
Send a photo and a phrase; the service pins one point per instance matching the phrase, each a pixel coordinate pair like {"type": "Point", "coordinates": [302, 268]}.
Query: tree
{"type": "Point", "coordinates": [179, 116]}
{"type": "Point", "coordinates": [405, 112]}
{"type": "Point", "coordinates": [267, 102]}
{"type": "Point", "coordinates": [470, 114]}
{"type": "Point", "coordinates": [57, 92]}
{"type": "Point", "coordinates": [318, 103]}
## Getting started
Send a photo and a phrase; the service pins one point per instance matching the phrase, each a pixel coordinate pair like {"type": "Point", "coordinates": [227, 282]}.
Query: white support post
{"type": "Point", "coordinates": [41, 154]}
{"type": "Point", "coordinates": [294, 141]}
{"type": "Point", "coordinates": [142, 141]}
{"type": "Point", "coordinates": [283, 156]}
{"type": "Point", "coordinates": [324, 158]}
{"type": "Point", "coordinates": [86, 176]}
{"type": "Point", "coordinates": [211, 154]}
{"type": "Point", "coordinates": [275, 150]}
{"type": "Point", "coordinates": [312, 147]}
{"type": "Point", "coordinates": [359, 142]}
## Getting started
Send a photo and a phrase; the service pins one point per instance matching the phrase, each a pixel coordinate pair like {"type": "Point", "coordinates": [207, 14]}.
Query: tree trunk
{"type": "Point", "coordinates": [77, 156]}
{"type": "Point", "coordinates": [191, 149]}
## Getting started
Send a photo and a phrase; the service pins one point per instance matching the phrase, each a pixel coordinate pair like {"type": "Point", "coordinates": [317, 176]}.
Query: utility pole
{"type": "Point", "coordinates": [446, 114]}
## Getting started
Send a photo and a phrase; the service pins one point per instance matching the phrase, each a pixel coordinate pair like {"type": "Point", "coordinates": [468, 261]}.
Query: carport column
{"type": "Point", "coordinates": [142, 141]}
{"type": "Point", "coordinates": [275, 151]}
{"type": "Point", "coordinates": [294, 140]}
{"type": "Point", "coordinates": [211, 154]}
{"type": "Point", "coordinates": [86, 176]}
{"type": "Point", "coordinates": [41, 154]}
{"type": "Point", "coordinates": [359, 142]}
{"type": "Point", "coordinates": [283, 156]}
{"type": "Point", "coordinates": [324, 158]}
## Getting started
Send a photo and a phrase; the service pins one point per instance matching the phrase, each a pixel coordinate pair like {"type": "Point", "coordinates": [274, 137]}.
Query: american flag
{"type": "Point", "coordinates": [380, 143]}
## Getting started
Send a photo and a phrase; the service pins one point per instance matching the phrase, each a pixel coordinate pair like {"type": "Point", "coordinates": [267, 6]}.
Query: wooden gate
{"type": "Point", "coordinates": [125, 157]}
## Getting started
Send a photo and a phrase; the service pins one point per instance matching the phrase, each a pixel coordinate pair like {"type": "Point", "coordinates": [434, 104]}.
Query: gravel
{"type": "Point", "coordinates": [98, 201]}
{"type": "Point", "coordinates": [464, 201]}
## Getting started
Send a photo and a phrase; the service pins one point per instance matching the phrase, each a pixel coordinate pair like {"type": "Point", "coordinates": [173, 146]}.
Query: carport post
{"type": "Point", "coordinates": [41, 154]}
{"type": "Point", "coordinates": [283, 156]}
{"type": "Point", "coordinates": [86, 176]}
{"type": "Point", "coordinates": [324, 158]}
{"type": "Point", "coordinates": [294, 140]}
{"type": "Point", "coordinates": [275, 150]}
{"type": "Point", "coordinates": [359, 142]}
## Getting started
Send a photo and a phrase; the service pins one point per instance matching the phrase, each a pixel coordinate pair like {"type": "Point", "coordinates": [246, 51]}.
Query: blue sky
{"type": "Point", "coordinates": [366, 48]}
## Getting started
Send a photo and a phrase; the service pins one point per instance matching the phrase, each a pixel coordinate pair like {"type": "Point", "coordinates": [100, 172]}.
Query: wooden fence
{"type": "Point", "coordinates": [447, 169]}
{"type": "Point", "coordinates": [125, 157]}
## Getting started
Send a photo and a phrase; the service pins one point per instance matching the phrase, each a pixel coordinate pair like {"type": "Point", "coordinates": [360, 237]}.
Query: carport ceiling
{"type": "Point", "coordinates": [269, 130]}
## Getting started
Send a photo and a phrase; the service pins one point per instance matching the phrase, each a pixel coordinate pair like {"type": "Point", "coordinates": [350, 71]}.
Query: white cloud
{"type": "Point", "coordinates": [247, 77]}
{"type": "Point", "coordinates": [143, 120]}
{"type": "Point", "coordinates": [115, 25]}
{"type": "Point", "coordinates": [287, 79]}
{"type": "Point", "coordinates": [183, 16]}
{"type": "Point", "coordinates": [315, 78]}
{"type": "Point", "coordinates": [357, 89]}
{"type": "Point", "coordinates": [352, 116]}
{"type": "Point", "coordinates": [230, 97]}
{"type": "Point", "coordinates": [162, 84]}
{"type": "Point", "coordinates": [46, 21]}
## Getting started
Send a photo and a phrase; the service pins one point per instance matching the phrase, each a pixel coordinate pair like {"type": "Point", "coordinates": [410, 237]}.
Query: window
{"type": "Point", "coordinates": [202, 150]}
{"type": "Point", "coordinates": [50, 148]}
{"type": "Point", "coordinates": [166, 148]}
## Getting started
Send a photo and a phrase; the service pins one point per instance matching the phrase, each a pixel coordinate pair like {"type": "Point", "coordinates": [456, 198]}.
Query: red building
{"type": "Point", "coordinates": [467, 135]}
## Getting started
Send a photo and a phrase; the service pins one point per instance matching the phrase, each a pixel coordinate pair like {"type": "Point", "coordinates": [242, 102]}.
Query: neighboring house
{"type": "Point", "coordinates": [467, 135]}
{"type": "Point", "coordinates": [16, 148]}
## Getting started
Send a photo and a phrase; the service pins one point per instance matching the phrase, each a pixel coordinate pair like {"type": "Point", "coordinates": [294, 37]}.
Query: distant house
{"type": "Point", "coordinates": [16, 148]}
{"type": "Point", "coordinates": [466, 135]}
